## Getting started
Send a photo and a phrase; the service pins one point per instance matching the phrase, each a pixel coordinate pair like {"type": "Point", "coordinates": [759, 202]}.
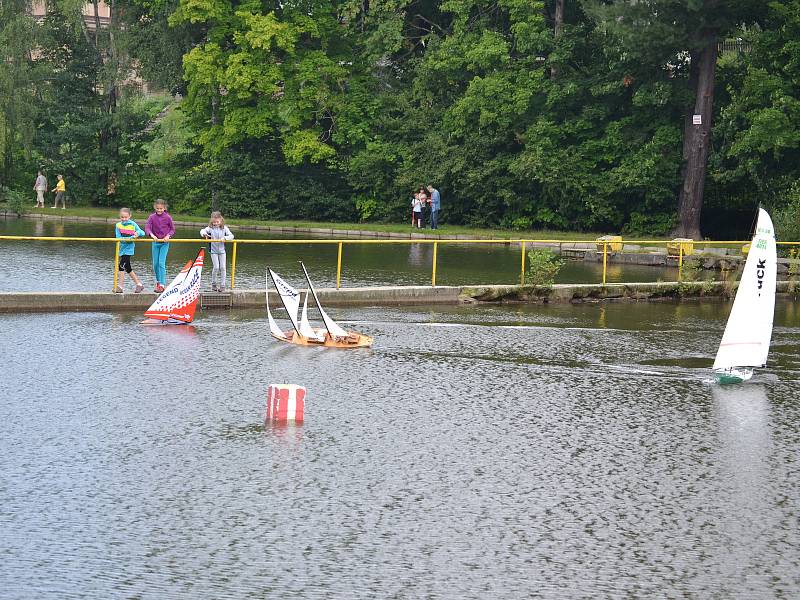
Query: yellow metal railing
{"type": "Point", "coordinates": [523, 243]}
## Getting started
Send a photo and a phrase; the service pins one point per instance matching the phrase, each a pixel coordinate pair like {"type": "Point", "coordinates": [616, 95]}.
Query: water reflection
{"type": "Point", "coordinates": [601, 317]}
{"type": "Point", "coordinates": [742, 415]}
{"type": "Point", "coordinates": [416, 255]}
{"type": "Point", "coordinates": [169, 333]}
{"type": "Point", "coordinates": [367, 264]}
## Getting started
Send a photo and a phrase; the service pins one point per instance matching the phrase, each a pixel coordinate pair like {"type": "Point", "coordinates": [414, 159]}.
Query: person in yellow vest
{"type": "Point", "coordinates": [60, 189]}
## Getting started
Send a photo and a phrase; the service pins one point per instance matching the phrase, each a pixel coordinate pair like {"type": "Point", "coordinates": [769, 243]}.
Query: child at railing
{"type": "Point", "coordinates": [160, 227]}
{"type": "Point", "coordinates": [217, 230]}
{"type": "Point", "coordinates": [127, 229]}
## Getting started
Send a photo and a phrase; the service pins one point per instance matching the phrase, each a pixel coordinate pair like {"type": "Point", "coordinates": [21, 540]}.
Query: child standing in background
{"type": "Point", "coordinates": [160, 227]}
{"type": "Point", "coordinates": [217, 230]}
{"type": "Point", "coordinates": [416, 212]}
{"type": "Point", "coordinates": [127, 229]}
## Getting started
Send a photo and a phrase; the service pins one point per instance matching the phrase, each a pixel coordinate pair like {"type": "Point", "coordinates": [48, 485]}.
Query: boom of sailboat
{"type": "Point", "coordinates": [331, 335]}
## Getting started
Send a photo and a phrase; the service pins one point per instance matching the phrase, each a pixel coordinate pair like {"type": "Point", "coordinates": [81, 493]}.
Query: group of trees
{"type": "Point", "coordinates": [577, 114]}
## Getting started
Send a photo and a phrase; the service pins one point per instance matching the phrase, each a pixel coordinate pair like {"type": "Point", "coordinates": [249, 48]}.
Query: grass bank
{"type": "Point", "coordinates": [476, 232]}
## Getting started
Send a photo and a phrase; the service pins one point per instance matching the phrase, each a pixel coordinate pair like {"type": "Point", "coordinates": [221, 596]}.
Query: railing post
{"type": "Point", "coordinates": [680, 261]}
{"type": "Point", "coordinates": [435, 251]}
{"type": "Point", "coordinates": [605, 261]}
{"type": "Point", "coordinates": [522, 267]}
{"type": "Point", "coordinates": [339, 268]}
{"type": "Point", "coordinates": [233, 266]}
{"type": "Point", "coordinates": [116, 266]}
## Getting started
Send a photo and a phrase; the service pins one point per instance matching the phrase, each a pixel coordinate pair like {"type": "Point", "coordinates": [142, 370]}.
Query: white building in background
{"type": "Point", "coordinates": [103, 15]}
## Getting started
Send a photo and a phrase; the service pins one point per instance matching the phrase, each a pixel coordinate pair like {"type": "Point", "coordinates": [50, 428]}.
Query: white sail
{"type": "Point", "coordinates": [305, 327]}
{"type": "Point", "coordinates": [332, 326]}
{"type": "Point", "coordinates": [273, 326]}
{"type": "Point", "coordinates": [745, 342]}
{"type": "Point", "coordinates": [290, 298]}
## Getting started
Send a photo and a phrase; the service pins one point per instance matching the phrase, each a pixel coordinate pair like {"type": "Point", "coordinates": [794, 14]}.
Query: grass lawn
{"type": "Point", "coordinates": [478, 233]}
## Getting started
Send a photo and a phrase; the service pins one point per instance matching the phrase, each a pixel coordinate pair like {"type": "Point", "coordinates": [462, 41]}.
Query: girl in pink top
{"type": "Point", "coordinates": [160, 227]}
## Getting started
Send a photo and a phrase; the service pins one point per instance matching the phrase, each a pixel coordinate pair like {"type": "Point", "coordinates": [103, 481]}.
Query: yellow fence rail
{"type": "Point", "coordinates": [525, 244]}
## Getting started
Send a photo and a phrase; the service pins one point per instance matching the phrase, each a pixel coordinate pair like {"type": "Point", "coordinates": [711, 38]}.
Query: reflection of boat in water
{"type": "Point", "coordinates": [332, 335]}
{"type": "Point", "coordinates": [746, 473]}
{"type": "Point", "coordinates": [745, 343]}
{"type": "Point", "coordinates": [177, 303]}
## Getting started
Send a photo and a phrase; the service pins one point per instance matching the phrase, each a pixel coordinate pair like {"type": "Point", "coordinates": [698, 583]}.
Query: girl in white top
{"type": "Point", "coordinates": [217, 230]}
{"type": "Point", "coordinates": [416, 207]}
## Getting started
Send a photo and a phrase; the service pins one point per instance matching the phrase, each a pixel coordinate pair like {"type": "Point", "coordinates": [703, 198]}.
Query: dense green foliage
{"type": "Point", "coordinates": [337, 110]}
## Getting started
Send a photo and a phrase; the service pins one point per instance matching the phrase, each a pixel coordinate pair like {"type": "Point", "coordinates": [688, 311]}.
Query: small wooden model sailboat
{"type": "Point", "coordinates": [177, 303]}
{"type": "Point", "coordinates": [745, 343]}
{"type": "Point", "coordinates": [302, 333]}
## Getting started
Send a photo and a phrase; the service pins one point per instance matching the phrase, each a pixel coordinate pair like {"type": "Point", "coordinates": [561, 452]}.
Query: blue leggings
{"type": "Point", "coordinates": [160, 250]}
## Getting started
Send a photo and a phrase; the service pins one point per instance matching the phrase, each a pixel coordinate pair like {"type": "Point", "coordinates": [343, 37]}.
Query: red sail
{"type": "Point", "coordinates": [178, 301]}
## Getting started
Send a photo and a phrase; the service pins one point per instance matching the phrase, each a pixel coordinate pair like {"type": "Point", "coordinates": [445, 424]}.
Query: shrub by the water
{"type": "Point", "coordinates": [543, 267]}
{"type": "Point", "coordinates": [15, 201]}
{"type": "Point", "coordinates": [787, 219]}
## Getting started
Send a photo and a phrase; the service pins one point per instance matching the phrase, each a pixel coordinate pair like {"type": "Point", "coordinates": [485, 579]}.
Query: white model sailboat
{"type": "Point", "coordinates": [745, 343]}
{"type": "Point", "coordinates": [332, 335]}
{"type": "Point", "coordinates": [177, 303]}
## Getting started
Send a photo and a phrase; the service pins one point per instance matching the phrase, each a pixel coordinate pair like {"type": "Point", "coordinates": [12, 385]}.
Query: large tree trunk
{"type": "Point", "coordinates": [697, 138]}
{"type": "Point", "coordinates": [214, 121]}
{"type": "Point", "coordinates": [557, 27]}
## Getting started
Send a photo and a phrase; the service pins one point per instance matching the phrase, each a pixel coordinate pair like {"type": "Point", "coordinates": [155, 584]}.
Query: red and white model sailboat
{"type": "Point", "coordinates": [177, 303]}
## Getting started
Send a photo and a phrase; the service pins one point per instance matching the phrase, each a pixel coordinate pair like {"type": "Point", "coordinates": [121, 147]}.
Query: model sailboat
{"type": "Point", "coordinates": [332, 335]}
{"type": "Point", "coordinates": [177, 303]}
{"type": "Point", "coordinates": [745, 343]}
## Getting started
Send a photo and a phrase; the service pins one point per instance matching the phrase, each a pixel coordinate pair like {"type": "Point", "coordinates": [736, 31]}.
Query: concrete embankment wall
{"type": "Point", "coordinates": [15, 302]}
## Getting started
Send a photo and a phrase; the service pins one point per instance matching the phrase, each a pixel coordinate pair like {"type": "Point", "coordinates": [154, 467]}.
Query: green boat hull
{"type": "Point", "coordinates": [724, 379]}
{"type": "Point", "coordinates": [733, 376]}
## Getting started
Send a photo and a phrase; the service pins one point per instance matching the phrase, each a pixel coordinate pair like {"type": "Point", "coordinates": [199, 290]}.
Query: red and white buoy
{"type": "Point", "coordinates": [285, 403]}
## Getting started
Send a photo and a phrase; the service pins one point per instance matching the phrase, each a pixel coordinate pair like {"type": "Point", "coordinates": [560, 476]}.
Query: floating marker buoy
{"type": "Point", "coordinates": [285, 403]}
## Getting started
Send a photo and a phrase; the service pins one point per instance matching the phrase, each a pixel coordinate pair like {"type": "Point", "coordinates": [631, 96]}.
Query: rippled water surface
{"type": "Point", "coordinates": [490, 452]}
{"type": "Point", "coordinates": [59, 266]}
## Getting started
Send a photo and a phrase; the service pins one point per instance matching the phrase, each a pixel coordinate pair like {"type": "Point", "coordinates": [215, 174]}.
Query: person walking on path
{"type": "Point", "coordinates": [127, 229]}
{"type": "Point", "coordinates": [436, 204]}
{"type": "Point", "coordinates": [60, 190]}
{"type": "Point", "coordinates": [160, 227]}
{"type": "Point", "coordinates": [217, 230]}
{"type": "Point", "coordinates": [40, 187]}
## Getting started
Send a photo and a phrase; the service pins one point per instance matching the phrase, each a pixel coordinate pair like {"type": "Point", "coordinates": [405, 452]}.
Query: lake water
{"type": "Point", "coordinates": [61, 266]}
{"type": "Point", "coordinates": [474, 452]}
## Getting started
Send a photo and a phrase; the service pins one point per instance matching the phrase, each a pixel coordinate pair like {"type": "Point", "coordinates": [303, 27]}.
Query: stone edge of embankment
{"type": "Point", "coordinates": [21, 302]}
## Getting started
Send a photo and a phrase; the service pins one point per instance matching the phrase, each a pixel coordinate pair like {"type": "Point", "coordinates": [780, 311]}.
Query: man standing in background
{"type": "Point", "coordinates": [40, 187]}
{"type": "Point", "coordinates": [436, 203]}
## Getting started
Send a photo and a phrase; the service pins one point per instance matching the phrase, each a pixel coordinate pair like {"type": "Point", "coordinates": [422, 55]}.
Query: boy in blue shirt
{"type": "Point", "coordinates": [127, 229]}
